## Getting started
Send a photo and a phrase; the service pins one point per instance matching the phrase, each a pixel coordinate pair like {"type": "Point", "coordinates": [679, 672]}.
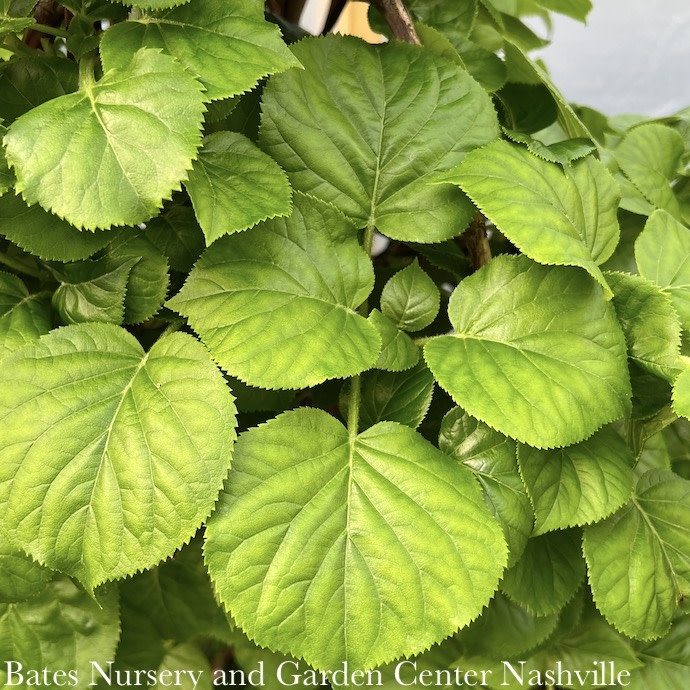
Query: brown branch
{"type": "Point", "coordinates": [476, 242]}
{"type": "Point", "coordinates": [398, 19]}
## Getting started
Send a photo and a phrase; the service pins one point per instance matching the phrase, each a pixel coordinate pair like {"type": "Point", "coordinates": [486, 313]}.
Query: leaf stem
{"type": "Point", "coordinates": [87, 77]}
{"type": "Point", "coordinates": [50, 30]}
{"type": "Point", "coordinates": [353, 407]}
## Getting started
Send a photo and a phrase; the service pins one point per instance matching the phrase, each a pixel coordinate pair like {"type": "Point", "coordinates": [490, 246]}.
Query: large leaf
{"type": "Point", "coordinates": [492, 457]}
{"type": "Point", "coordinates": [23, 317]}
{"type": "Point", "coordinates": [276, 304]}
{"type": "Point", "coordinates": [239, 46]}
{"type": "Point", "coordinates": [62, 630]}
{"type": "Point", "coordinates": [537, 353]}
{"type": "Point", "coordinates": [111, 457]}
{"type": "Point", "coordinates": [367, 128]}
{"type": "Point", "coordinates": [363, 547]}
{"type": "Point", "coordinates": [662, 254]}
{"type": "Point", "coordinates": [639, 558]}
{"type": "Point", "coordinates": [111, 153]}
{"type": "Point", "coordinates": [233, 185]}
{"type": "Point", "coordinates": [579, 484]}
{"type": "Point", "coordinates": [555, 217]}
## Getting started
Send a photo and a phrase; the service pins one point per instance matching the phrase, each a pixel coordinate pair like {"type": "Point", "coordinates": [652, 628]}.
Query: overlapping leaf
{"type": "Point", "coordinates": [239, 46]}
{"type": "Point", "coordinates": [20, 576]}
{"type": "Point", "coordinates": [398, 351]}
{"type": "Point", "coordinates": [276, 304]}
{"type": "Point", "coordinates": [233, 185]}
{"type": "Point", "coordinates": [537, 353]}
{"type": "Point", "coordinates": [579, 484]}
{"type": "Point", "coordinates": [639, 558]}
{"type": "Point", "coordinates": [554, 217]}
{"type": "Point", "coordinates": [111, 153]}
{"type": "Point", "coordinates": [367, 129]}
{"type": "Point", "coordinates": [138, 447]}
{"type": "Point", "coordinates": [363, 548]}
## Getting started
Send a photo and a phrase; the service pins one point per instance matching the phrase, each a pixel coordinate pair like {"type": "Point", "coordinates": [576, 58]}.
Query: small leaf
{"type": "Point", "coordinates": [650, 156]}
{"type": "Point", "coordinates": [563, 152]}
{"type": "Point", "coordinates": [176, 233]}
{"type": "Point", "coordinates": [240, 47]}
{"type": "Point", "coordinates": [45, 235]}
{"type": "Point", "coordinates": [276, 305]}
{"type": "Point", "coordinates": [63, 630]}
{"type": "Point", "coordinates": [410, 299]}
{"type": "Point", "coordinates": [398, 351]}
{"type": "Point", "coordinates": [662, 253]}
{"type": "Point", "coordinates": [139, 445]}
{"type": "Point", "coordinates": [233, 185]}
{"type": "Point", "coordinates": [548, 574]}
{"type": "Point", "coordinates": [154, 4]}
{"type": "Point", "coordinates": [20, 576]}
{"type": "Point", "coordinates": [579, 484]}
{"type": "Point", "coordinates": [537, 353]}
{"type": "Point", "coordinates": [324, 507]}
{"type": "Point", "coordinates": [551, 216]}
{"type": "Point", "coordinates": [23, 317]}
{"type": "Point", "coordinates": [492, 458]}
{"type": "Point", "coordinates": [111, 153]}
{"type": "Point", "coordinates": [576, 9]}
{"type": "Point", "coordinates": [639, 558]}
{"type": "Point", "coordinates": [649, 322]}
{"type": "Point", "coordinates": [368, 128]}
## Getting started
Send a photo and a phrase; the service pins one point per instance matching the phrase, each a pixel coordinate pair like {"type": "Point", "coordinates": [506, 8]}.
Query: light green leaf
{"type": "Point", "coordinates": [548, 574]}
{"type": "Point", "coordinates": [649, 322]}
{"type": "Point", "coordinates": [45, 235]}
{"type": "Point", "coordinates": [681, 394]}
{"type": "Point", "coordinates": [276, 304]}
{"type": "Point", "coordinates": [14, 25]}
{"type": "Point", "coordinates": [111, 457]}
{"type": "Point", "coordinates": [154, 4]}
{"type": "Point", "coordinates": [402, 397]}
{"type": "Point", "coordinates": [492, 458]}
{"type": "Point", "coordinates": [554, 217]}
{"type": "Point", "coordinates": [579, 484]}
{"type": "Point", "coordinates": [147, 283]}
{"type": "Point", "coordinates": [398, 351]}
{"type": "Point", "coordinates": [233, 185]}
{"type": "Point", "coordinates": [410, 299]}
{"type": "Point", "coordinates": [324, 507]}
{"type": "Point", "coordinates": [662, 253]}
{"type": "Point", "coordinates": [6, 176]}
{"type": "Point", "coordinates": [368, 128]}
{"type": "Point", "coordinates": [240, 47]}
{"type": "Point", "coordinates": [23, 316]}
{"type": "Point", "coordinates": [577, 9]}
{"type": "Point", "coordinates": [639, 558]}
{"type": "Point", "coordinates": [666, 662]}
{"type": "Point", "coordinates": [563, 152]}
{"type": "Point", "coordinates": [91, 291]}
{"type": "Point", "coordinates": [111, 153]}
{"type": "Point", "coordinates": [537, 353]}
{"type": "Point", "coordinates": [650, 156]}
{"type": "Point", "coordinates": [176, 233]}
{"type": "Point", "coordinates": [20, 576]}
{"type": "Point", "coordinates": [63, 630]}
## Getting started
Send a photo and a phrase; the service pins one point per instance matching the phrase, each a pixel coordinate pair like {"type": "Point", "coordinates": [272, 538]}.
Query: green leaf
{"type": "Point", "coordinates": [402, 397]}
{"type": "Point", "coordinates": [20, 576]}
{"type": "Point", "coordinates": [554, 217]}
{"type": "Point", "coordinates": [240, 47]}
{"type": "Point", "coordinates": [639, 558]}
{"type": "Point", "coordinates": [563, 152]}
{"type": "Point", "coordinates": [650, 156]}
{"type": "Point", "coordinates": [147, 283]}
{"type": "Point", "coordinates": [46, 235]}
{"type": "Point", "coordinates": [681, 394]}
{"type": "Point", "coordinates": [139, 445]}
{"type": "Point", "coordinates": [398, 351]}
{"type": "Point", "coordinates": [410, 299]}
{"type": "Point", "coordinates": [62, 630]}
{"type": "Point", "coordinates": [579, 484]}
{"type": "Point", "coordinates": [176, 233]}
{"type": "Point", "coordinates": [492, 458]}
{"type": "Point", "coordinates": [537, 353]}
{"type": "Point", "coordinates": [28, 81]}
{"type": "Point", "coordinates": [548, 574]}
{"type": "Point", "coordinates": [368, 128]}
{"type": "Point", "coordinates": [324, 507]}
{"type": "Point", "coordinates": [154, 4]}
{"type": "Point", "coordinates": [14, 25]}
{"type": "Point", "coordinates": [276, 304]}
{"type": "Point", "coordinates": [577, 9]}
{"type": "Point", "coordinates": [649, 322]}
{"type": "Point", "coordinates": [662, 253]}
{"type": "Point", "coordinates": [91, 291]}
{"type": "Point", "coordinates": [111, 153]}
{"type": "Point", "coordinates": [233, 185]}
{"type": "Point", "coordinates": [23, 316]}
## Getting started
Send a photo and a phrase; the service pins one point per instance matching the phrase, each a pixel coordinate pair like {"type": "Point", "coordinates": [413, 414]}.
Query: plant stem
{"type": "Point", "coordinates": [398, 19]}
{"type": "Point", "coordinates": [87, 77]}
{"type": "Point", "coordinates": [477, 243]}
{"type": "Point", "coordinates": [50, 30]}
